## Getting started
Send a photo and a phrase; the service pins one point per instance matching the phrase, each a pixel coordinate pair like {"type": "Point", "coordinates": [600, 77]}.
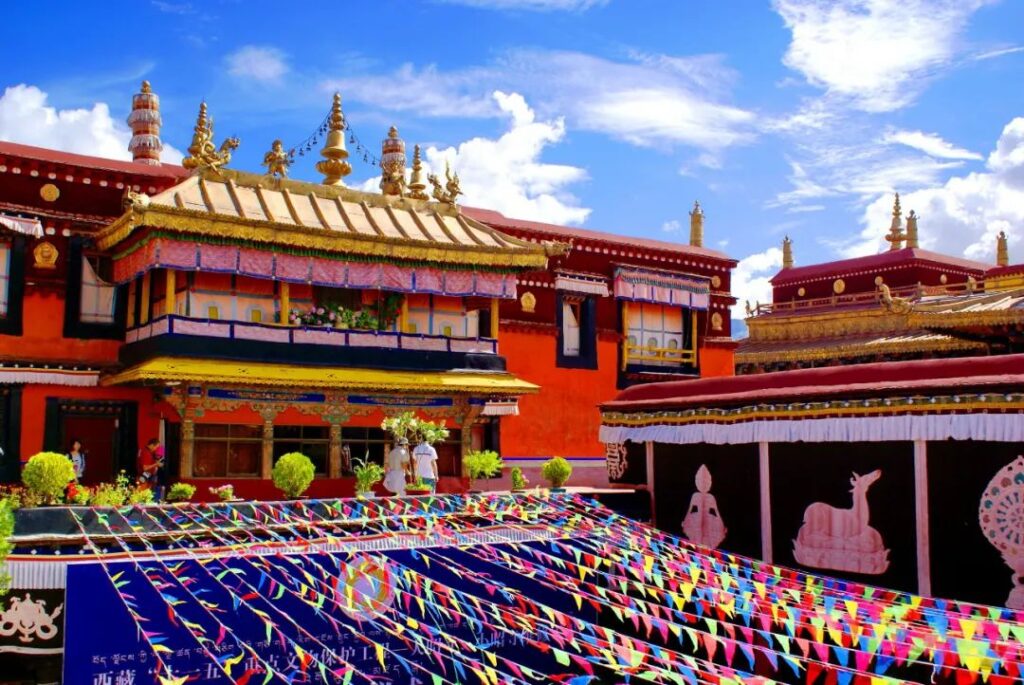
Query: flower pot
{"type": "Point", "coordinates": [366, 495]}
{"type": "Point", "coordinates": [557, 490]}
{"type": "Point", "coordinates": [518, 490]}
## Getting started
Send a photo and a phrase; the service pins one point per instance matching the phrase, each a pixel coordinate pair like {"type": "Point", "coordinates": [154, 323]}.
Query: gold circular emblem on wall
{"type": "Point", "coordinates": [716, 322]}
{"type": "Point", "coordinates": [878, 280]}
{"type": "Point", "coordinates": [801, 292]}
{"type": "Point", "coordinates": [528, 302]}
{"type": "Point", "coordinates": [943, 279]}
{"type": "Point", "coordinates": [49, 192]}
{"type": "Point", "coordinates": [839, 286]}
{"type": "Point", "coordinates": [716, 281]}
{"type": "Point", "coordinates": [45, 255]}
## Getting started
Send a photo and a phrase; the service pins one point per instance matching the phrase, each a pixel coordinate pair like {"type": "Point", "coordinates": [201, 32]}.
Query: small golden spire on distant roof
{"type": "Point", "coordinates": [912, 229]}
{"type": "Point", "coordinates": [697, 225]}
{"type": "Point", "coordinates": [202, 154]}
{"type": "Point", "coordinates": [416, 184]}
{"type": "Point", "coordinates": [277, 160]}
{"type": "Point", "coordinates": [333, 166]}
{"type": "Point", "coordinates": [896, 236]}
{"type": "Point", "coordinates": [787, 253]}
{"type": "Point", "coordinates": [1002, 250]}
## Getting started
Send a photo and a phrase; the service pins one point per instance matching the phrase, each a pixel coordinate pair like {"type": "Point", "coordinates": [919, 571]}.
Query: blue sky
{"type": "Point", "coordinates": [795, 117]}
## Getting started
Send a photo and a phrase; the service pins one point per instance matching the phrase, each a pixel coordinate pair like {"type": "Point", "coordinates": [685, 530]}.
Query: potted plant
{"type": "Point", "coordinates": [405, 425]}
{"type": "Point", "coordinates": [519, 481]}
{"type": "Point", "coordinates": [180, 492]}
{"type": "Point", "coordinates": [46, 475]}
{"type": "Point", "coordinates": [368, 473]}
{"type": "Point", "coordinates": [226, 492]}
{"type": "Point", "coordinates": [481, 464]}
{"type": "Point", "coordinates": [556, 471]}
{"type": "Point", "coordinates": [140, 496]}
{"type": "Point", "coordinates": [418, 488]}
{"type": "Point", "coordinates": [292, 474]}
{"type": "Point", "coordinates": [108, 495]}
{"type": "Point", "coordinates": [343, 318]}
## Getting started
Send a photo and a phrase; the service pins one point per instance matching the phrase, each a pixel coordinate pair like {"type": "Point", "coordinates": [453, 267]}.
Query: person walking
{"type": "Point", "coordinates": [77, 456]}
{"type": "Point", "coordinates": [150, 467]}
{"type": "Point", "coordinates": [424, 458]}
{"type": "Point", "coordinates": [397, 467]}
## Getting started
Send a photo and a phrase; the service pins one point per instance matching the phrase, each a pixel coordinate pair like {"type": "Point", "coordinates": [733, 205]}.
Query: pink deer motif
{"type": "Point", "coordinates": [841, 539]}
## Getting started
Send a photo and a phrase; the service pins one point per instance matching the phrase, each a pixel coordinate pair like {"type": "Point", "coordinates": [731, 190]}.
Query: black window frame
{"type": "Point", "coordinates": [11, 321]}
{"type": "Point", "coordinates": [227, 440]}
{"type": "Point", "coordinates": [74, 327]}
{"type": "Point", "coordinates": [587, 358]}
{"type": "Point", "coordinates": [298, 444]}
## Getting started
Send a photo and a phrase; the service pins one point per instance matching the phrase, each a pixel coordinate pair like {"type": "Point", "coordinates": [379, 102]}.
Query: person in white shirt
{"type": "Point", "coordinates": [424, 459]}
{"type": "Point", "coordinates": [397, 466]}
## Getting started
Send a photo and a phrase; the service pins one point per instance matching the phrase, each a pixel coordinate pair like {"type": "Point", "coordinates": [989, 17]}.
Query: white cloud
{"type": "Point", "coordinates": [877, 53]}
{"type": "Point", "coordinates": [259, 63]}
{"type": "Point", "coordinates": [26, 118]}
{"type": "Point", "coordinates": [648, 100]}
{"type": "Point", "coordinates": [929, 143]}
{"type": "Point", "coordinates": [963, 215]}
{"type": "Point", "coordinates": [750, 279]}
{"type": "Point", "coordinates": [506, 174]}
{"type": "Point", "coordinates": [531, 5]}
{"type": "Point", "coordinates": [672, 226]}
{"type": "Point", "coordinates": [1000, 52]}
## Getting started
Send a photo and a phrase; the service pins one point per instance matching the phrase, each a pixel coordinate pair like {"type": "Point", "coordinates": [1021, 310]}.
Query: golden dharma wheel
{"type": "Point", "coordinates": [839, 286]}
{"type": "Point", "coordinates": [49, 192]}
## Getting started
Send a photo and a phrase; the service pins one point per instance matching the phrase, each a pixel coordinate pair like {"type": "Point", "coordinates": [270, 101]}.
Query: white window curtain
{"type": "Point", "coordinates": [5, 276]}
{"type": "Point", "coordinates": [570, 331]}
{"type": "Point", "coordinates": [97, 297]}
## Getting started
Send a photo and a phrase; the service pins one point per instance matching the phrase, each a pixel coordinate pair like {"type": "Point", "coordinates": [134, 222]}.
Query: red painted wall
{"type": "Point", "coordinates": [716, 361]}
{"type": "Point", "coordinates": [43, 325]}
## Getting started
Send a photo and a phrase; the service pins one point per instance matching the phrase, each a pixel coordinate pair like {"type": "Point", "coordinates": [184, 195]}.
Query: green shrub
{"type": "Point", "coordinates": [7, 507]}
{"type": "Point", "coordinates": [47, 475]}
{"type": "Point", "coordinates": [556, 471]}
{"type": "Point", "coordinates": [482, 464]}
{"type": "Point", "coordinates": [108, 495]}
{"type": "Point", "coordinates": [368, 473]}
{"type": "Point", "coordinates": [180, 492]}
{"type": "Point", "coordinates": [81, 497]}
{"type": "Point", "coordinates": [140, 496]}
{"type": "Point", "coordinates": [519, 481]}
{"type": "Point", "coordinates": [293, 473]}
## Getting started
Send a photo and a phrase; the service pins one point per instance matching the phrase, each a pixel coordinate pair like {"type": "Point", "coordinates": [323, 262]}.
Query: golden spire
{"type": "Point", "coordinates": [202, 153]}
{"type": "Point", "coordinates": [146, 88]}
{"type": "Point", "coordinates": [697, 226]}
{"type": "Point", "coordinates": [787, 253]}
{"type": "Point", "coordinates": [1002, 250]}
{"type": "Point", "coordinates": [145, 123]}
{"type": "Point", "coordinates": [912, 229]}
{"type": "Point", "coordinates": [333, 166]}
{"type": "Point", "coordinates": [416, 184]}
{"type": "Point", "coordinates": [392, 164]}
{"type": "Point", "coordinates": [895, 236]}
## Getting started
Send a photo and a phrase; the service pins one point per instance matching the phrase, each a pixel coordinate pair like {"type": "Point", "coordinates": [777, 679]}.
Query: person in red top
{"type": "Point", "coordinates": [150, 465]}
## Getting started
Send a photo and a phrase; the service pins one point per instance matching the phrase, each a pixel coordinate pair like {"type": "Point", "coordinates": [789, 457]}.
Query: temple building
{"type": "Point", "coordinates": [906, 303]}
{"type": "Point", "coordinates": [237, 316]}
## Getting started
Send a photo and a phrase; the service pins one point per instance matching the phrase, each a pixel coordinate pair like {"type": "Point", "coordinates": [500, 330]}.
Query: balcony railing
{"type": "Point", "coordinates": [318, 335]}
{"type": "Point", "coordinates": [657, 356]}
{"type": "Point", "coordinates": [910, 292]}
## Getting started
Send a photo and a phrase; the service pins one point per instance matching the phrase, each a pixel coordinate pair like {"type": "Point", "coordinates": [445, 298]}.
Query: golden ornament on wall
{"type": "Point", "coordinates": [878, 280]}
{"type": "Point", "coordinates": [528, 302]}
{"type": "Point", "coordinates": [943, 279]}
{"type": "Point", "coordinates": [49, 192]}
{"type": "Point", "coordinates": [45, 255]}
{"type": "Point", "coordinates": [716, 281]}
{"type": "Point", "coordinates": [839, 286]}
{"type": "Point", "coordinates": [801, 292]}
{"type": "Point", "coordinates": [716, 321]}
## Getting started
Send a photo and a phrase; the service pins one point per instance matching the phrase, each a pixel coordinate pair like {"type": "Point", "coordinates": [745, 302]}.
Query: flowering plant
{"type": "Point", "coordinates": [316, 316]}
{"type": "Point", "coordinates": [225, 492]}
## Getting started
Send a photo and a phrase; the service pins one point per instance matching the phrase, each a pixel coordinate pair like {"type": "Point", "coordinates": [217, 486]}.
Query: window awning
{"type": "Point", "coordinates": [589, 285]}
{"type": "Point", "coordinates": [18, 224]}
{"type": "Point", "coordinates": [662, 287]}
{"type": "Point", "coordinates": [170, 370]}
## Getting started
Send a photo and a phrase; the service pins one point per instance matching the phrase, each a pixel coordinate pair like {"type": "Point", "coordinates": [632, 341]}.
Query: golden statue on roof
{"type": "Point", "coordinates": [333, 166]}
{"type": "Point", "coordinates": [277, 160]}
{"type": "Point", "coordinates": [896, 236]}
{"type": "Point", "coordinates": [202, 153]}
{"type": "Point", "coordinates": [392, 164]}
{"type": "Point", "coordinates": [451, 189]}
{"type": "Point", "coordinates": [416, 184]}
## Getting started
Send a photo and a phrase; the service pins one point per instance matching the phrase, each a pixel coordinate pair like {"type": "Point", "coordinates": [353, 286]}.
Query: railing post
{"type": "Point", "coordinates": [170, 292]}
{"type": "Point", "coordinates": [403, 316]}
{"type": "Point", "coordinates": [625, 334]}
{"type": "Point", "coordinates": [495, 319]}
{"type": "Point", "coordinates": [144, 309]}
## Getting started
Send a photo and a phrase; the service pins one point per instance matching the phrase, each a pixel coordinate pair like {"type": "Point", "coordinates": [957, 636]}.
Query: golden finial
{"type": "Point", "coordinates": [912, 229]}
{"type": "Point", "coordinates": [416, 184]}
{"type": "Point", "coordinates": [896, 236]}
{"type": "Point", "coordinates": [146, 88]}
{"type": "Point", "coordinates": [697, 225]}
{"type": "Point", "coordinates": [333, 166]}
{"type": "Point", "coordinates": [392, 164]}
{"type": "Point", "coordinates": [202, 154]}
{"type": "Point", "coordinates": [787, 253]}
{"type": "Point", "coordinates": [1002, 249]}
{"type": "Point", "coordinates": [277, 160]}
{"type": "Point", "coordinates": [451, 188]}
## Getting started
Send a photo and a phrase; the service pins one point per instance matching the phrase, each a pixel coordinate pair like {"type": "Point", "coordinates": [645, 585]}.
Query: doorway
{"type": "Point", "coordinates": [108, 431]}
{"type": "Point", "coordinates": [98, 436]}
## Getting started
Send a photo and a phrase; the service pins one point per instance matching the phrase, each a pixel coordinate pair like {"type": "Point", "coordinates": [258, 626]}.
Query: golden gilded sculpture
{"type": "Point", "coordinates": [416, 184]}
{"type": "Point", "coordinates": [896, 305]}
{"type": "Point", "coordinates": [277, 160]}
{"type": "Point", "coordinates": [451, 189]}
{"type": "Point", "coordinates": [202, 154]}
{"type": "Point", "coordinates": [787, 253]}
{"type": "Point", "coordinates": [1002, 249]}
{"type": "Point", "coordinates": [896, 236]}
{"type": "Point", "coordinates": [333, 166]}
{"type": "Point", "coordinates": [392, 164]}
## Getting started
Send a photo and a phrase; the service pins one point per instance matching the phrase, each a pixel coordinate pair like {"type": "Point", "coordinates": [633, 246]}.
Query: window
{"type": "Point", "coordinates": [212, 313]}
{"type": "Point", "coordinates": [256, 315]}
{"type": "Point", "coordinates": [576, 319]}
{"type": "Point", "coordinates": [313, 441]}
{"type": "Point", "coordinates": [664, 332]}
{"type": "Point", "coordinates": [5, 276]}
{"type": "Point", "coordinates": [98, 297]}
{"type": "Point", "coordinates": [369, 443]}
{"type": "Point", "coordinates": [227, 450]}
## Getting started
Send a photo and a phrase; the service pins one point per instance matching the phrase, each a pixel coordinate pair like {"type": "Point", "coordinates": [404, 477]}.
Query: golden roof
{"type": "Point", "coordinates": [236, 205]}
{"type": "Point", "coordinates": [871, 344]}
{"type": "Point", "coordinates": [166, 369]}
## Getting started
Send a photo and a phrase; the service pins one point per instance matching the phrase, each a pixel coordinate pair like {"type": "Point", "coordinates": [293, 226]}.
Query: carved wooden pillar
{"type": "Point", "coordinates": [335, 465]}
{"type": "Point", "coordinates": [267, 456]}
{"type": "Point", "coordinates": [469, 414]}
{"type": "Point", "coordinates": [188, 443]}
{"type": "Point", "coordinates": [144, 296]}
